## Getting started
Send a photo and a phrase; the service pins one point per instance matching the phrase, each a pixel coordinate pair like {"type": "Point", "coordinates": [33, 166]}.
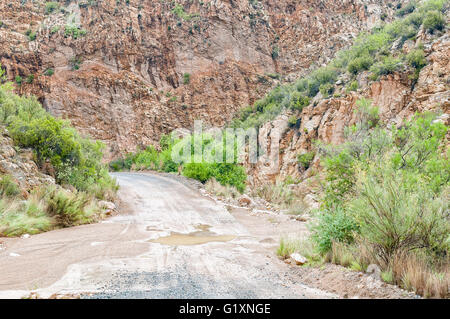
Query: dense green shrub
{"type": "Point", "coordinates": [51, 7]}
{"type": "Point", "coordinates": [292, 121]}
{"type": "Point", "coordinates": [299, 101]}
{"type": "Point", "coordinates": [77, 160]}
{"type": "Point", "coordinates": [73, 31]}
{"type": "Point", "coordinates": [353, 86]}
{"type": "Point", "coordinates": [416, 58]}
{"type": "Point", "coordinates": [31, 35]}
{"type": "Point", "coordinates": [333, 226]}
{"type": "Point", "coordinates": [408, 8]}
{"type": "Point", "coordinates": [412, 150]}
{"type": "Point", "coordinates": [359, 64]}
{"type": "Point", "coordinates": [326, 89]}
{"type": "Point", "coordinates": [178, 10]}
{"type": "Point", "coordinates": [30, 78]}
{"type": "Point", "coordinates": [434, 20]}
{"type": "Point", "coordinates": [230, 174]}
{"type": "Point", "coordinates": [397, 211]}
{"type": "Point", "coordinates": [306, 159]}
{"type": "Point", "coordinates": [224, 173]}
{"type": "Point", "coordinates": [18, 79]}
{"type": "Point", "coordinates": [386, 66]}
{"type": "Point", "coordinates": [55, 29]}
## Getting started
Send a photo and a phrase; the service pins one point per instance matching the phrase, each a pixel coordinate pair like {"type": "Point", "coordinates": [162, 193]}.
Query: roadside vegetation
{"type": "Point", "coordinates": [386, 189]}
{"type": "Point", "coordinates": [76, 163]}
{"type": "Point", "coordinates": [227, 174]}
{"type": "Point", "coordinates": [377, 52]}
{"type": "Point", "coordinates": [386, 202]}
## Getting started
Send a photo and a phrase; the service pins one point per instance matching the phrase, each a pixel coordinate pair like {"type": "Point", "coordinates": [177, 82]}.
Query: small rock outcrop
{"type": "Point", "coordinates": [298, 259]}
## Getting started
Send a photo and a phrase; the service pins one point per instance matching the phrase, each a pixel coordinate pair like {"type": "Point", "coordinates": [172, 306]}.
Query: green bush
{"type": "Point", "coordinates": [31, 35]}
{"type": "Point", "coordinates": [30, 78]}
{"type": "Point", "coordinates": [416, 59]}
{"type": "Point", "coordinates": [73, 31]}
{"type": "Point", "coordinates": [224, 173]}
{"type": "Point", "coordinates": [306, 159]}
{"type": "Point", "coordinates": [398, 212]}
{"type": "Point", "coordinates": [434, 20]}
{"type": "Point", "coordinates": [18, 79]}
{"type": "Point", "coordinates": [75, 63]}
{"type": "Point", "coordinates": [8, 188]}
{"type": "Point", "coordinates": [292, 121]}
{"type": "Point", "coordinates": [388, 65]}
{"type": "Point", "coordinates": [359, 64]}
{"type": "Point", "coordinates": [299, 101]}
{"type": "Point", "coordinates": [410, 7]}
{"type": "Point", "coordinates": [394, 190]}
{"type": "Point", "coordinates": [51, 7]}
{"type": "Point", "coordinates": [178, 10]}
{"type": "Point", "coordinates": [333, 226]}
{"type": "Point", "coordinates": [77, 160]}
{"type": "Point", "coordinates": [353, 86]}
{"type": "Point", "coordinates": [326, 89]}
{"type": "Point", "coordinates": [55, 29]}
{"type": "Point", "coordinates": [230, 174]}
{"type": "Point", "coordinates": [186, 78]}
{"type": "Point", "coordinates": [49, 72]}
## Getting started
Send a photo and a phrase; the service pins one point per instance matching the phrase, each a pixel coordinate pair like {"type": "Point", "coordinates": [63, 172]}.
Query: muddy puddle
{"type": "Point", "coordinates": [202, 236]}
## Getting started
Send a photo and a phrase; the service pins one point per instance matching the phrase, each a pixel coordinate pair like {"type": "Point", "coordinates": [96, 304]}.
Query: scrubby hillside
{"type": "Point", "coordinates": [364, 148]}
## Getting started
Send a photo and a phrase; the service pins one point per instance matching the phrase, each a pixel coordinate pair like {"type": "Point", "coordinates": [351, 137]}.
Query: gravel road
{"type": "Point", "coordinates": [170, 241]}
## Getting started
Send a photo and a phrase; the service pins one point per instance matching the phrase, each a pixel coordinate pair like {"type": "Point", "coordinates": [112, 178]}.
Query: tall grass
{"type": "Point", "coordinates": [45, 209]}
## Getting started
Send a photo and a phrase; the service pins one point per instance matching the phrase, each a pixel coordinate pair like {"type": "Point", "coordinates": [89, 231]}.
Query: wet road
{"type": "Point", "coordinates": [170, 241]}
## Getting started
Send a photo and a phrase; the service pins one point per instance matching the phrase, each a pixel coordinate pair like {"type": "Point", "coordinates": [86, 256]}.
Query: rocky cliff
{"type": "Point", "coordinates": [126, 72]}
{"type": "Point", "coordinates": [398, 97]}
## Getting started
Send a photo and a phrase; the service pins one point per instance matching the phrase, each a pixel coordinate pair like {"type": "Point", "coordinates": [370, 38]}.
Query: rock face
{"type": "Point", "coordinates": [396, 96]}
{"type": "Point", "coordinates": [134, 70]}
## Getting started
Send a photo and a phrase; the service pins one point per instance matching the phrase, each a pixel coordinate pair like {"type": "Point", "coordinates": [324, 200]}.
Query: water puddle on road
{"type": "Point", "coordinates": [202, 236]}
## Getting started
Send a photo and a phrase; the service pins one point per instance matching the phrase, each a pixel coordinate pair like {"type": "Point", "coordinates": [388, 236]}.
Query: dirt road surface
{"type": "Point", "coordinates": [170, 241]}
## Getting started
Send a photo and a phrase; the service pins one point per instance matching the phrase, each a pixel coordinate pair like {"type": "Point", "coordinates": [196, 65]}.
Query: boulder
{"type": "Point", "coordinates": [374, 271]}
{"type": "Point", "coordinates": [245, 201]}
{"type": "Point", "coordinates": [298, 259]}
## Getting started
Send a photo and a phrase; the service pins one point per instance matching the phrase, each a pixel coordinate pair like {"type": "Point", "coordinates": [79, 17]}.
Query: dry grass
{"type": "Point", "coordinates": [19, 217]}
{"type": "Point", "coordinates": [217, 189]}
{"type": "Point", "coordinates": [277, 194]}
{"type": "Point", "coordinates": [408, 270]}
{"type": "Point", "coordinates": [45, 209]}
{"type": "Point", "coordinates": [413, 273]}
{"type": "Point", "coordinates": [302, 246]}
{"type": "Point", "coordinates": [287, 247]}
